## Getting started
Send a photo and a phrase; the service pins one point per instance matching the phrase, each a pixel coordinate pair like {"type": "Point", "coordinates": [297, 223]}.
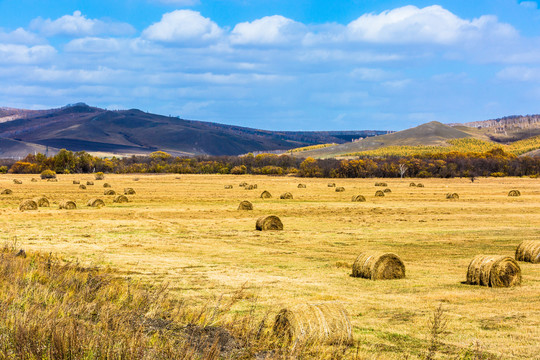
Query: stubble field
{"type": "Point", "coordinates": [186, 231]}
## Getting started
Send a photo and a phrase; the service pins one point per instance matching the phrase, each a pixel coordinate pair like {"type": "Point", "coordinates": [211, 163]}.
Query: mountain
{"type": "Point", "coordinates": [81, 127]}
{"type": "Point", "coordinates": [504, 130]}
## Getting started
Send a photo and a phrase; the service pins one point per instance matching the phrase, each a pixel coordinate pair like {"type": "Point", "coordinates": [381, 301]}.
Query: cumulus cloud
{"type": "Point", "coordinates": [20, 36]}
{"type": "Point", "coordinates": [77, 25]}
{"type": "Point", "coordinates": [274, 30]}
{"type": "Point", "coordinates": [22, 54]}
{"type": "Point", "coordinates": [94, 45]}
{"type": "Point", "coordinates": [183, 26]}
{"type": "Point", "coordinates": [432, 24]}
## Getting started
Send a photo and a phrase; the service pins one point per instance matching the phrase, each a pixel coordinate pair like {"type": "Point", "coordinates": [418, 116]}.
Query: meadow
{"type": "Point", "coordinates": [186, 231]}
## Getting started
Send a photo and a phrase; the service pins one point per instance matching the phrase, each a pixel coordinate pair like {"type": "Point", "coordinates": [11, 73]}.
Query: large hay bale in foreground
{"type": "Point", "coordinates": [96, 202]}
{"type": "Point", "coordinates": [266, 195]}
{"type": "Point", "coordinates": [245, 205]}
{"type": "Point", "coordinates": [67, 205]}
{"type": "Point", "coordinates": [379, 193]}
{"type": "Point", "coordinates": [358, 198]}
{"type": "Point", "coordinates": [514, 193]}
{"type": "Point", "coordinates": [387, 190]}
{"type": "Point", "coordinates": [82, 187]}
{"type": "Point", "coordinates": [42, 201]}
{"type": "Point", "coordinates": [286, 196]}
{"type": "Point", "coordinates": [270, 222]}
{"type": "Point", "coordinates": [529, 251]}
{"type": "Point", "coordinates": [109, 192]}
{"type": "Point", "coordinates": [27, 205]}
{"type": "Point", "coordinates": [18, 182]}
{"type": "Point", "coordinates": [129, 191]}
{"type": "Point", "coordinates": [376, 265]}
{"type": "Point", "coordinates": [7, 192]}
{"type": "Point", "coordinates": [412, 184]}
{"type": "Point", "coordinates": [228, 187]}
{"type": "Point", "coordinates": [420, 185]}
{"type": "Point", "coordinates": [494, 271]}
{"type": "Point", "coordinates": [106, 185]}
{"type": "Point", "coordinates": [381, 184]}
{"type": "Point", "coordinates": [331, 184]}
{"type": "Point", "coordinates": [89, 183]}
{"type": "Point", "coordinates": [76, 182]}
{"type": "Point", "coordinates": [325, 322]}
{"type": "Point", "coordinates": [301, 186]}
{"type": "Point", "coordinates": [452, 196]}
{"type": "Point", "coordinates": [121, 199]}
{"type": "Point", "coordinates": [340, 189]}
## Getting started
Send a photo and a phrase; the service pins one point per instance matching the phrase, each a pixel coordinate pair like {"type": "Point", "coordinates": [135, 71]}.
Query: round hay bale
{"type": "Point", "coordinates": [412, 185]}
{"type": "Point", "coordinates": [67, 205]}
{"type": "Point", "coordinates": [301, 186]}
{"type": "Point", "coordinates": [325, 322]}
{"type": "Point", "coordinates": [109, 192]}
{"type": "Point", "coordinates": [242, 184]}
{"type": "Point", "coordinates": [266, 195]}
{"type": "Point", "coordinates": [52, 180]}
{"type": "Point", "coordinates": [340, 189]}
{"type": "Point", "coordinates": [452, 196]}
{"type": "Point", "coordinates": [358, 198]}
{"type": "Point", "coordinates": [270, 222]}
{"type": "Point", "coordinates": [378, 266]}
{"type": "Point", "coordinates": [331, 184]}
{"type": "Point", "coordinates": [129, 191]}
{"type": "Point", "coordinates": [381, 184]}
{"type": "Point", "coordinates": [529, 251]}
{"type": "Point", "coordinates": [95, 203]}
{"type": "Point", "coordinates": [245, 205]}
{"type": "Point", "coordinates": [228, 186]}
{"type": "Point", "coordinates": [34, 180]}
{"type": "Point", "coordinates": [420, 185]}
{"type": "Point", "coordinates": [121, 199]}
{"type": "Point", "coordinates": [379, 193]}
{"type": "Point", "coordinates": [42, 201]}
{"type": "Point", "coordinates": [82, 187]}
{"type": "Point", "coordinates": [387, 190]}
{"type": "Point", "coordinates": [7, 192]}
{"type": "Point", "coordinates": [76, 182]}
{"type": "Point", "coordinates": [89, 183]}
{"type": "Point", "coordinates": [27, 205]}
{"type": "Point", "coordinates": [18, 182]}
{"type": "Point", "coordinates": [286, 196]}
{"type": "Point", "coordinates": [106, 185]}
{"type": "Point", "coordinates": [249, 187]}
{"type": "Point", "coordinates": [494, 271]}
{"type": "Point", "coordinates": [254, 186]}
{"type": "Point", "coordinates": [514, 193]}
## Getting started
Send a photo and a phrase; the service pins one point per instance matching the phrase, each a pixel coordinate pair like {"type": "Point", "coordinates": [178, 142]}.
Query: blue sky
{"type": "Point", "coordinates": [279, 65]}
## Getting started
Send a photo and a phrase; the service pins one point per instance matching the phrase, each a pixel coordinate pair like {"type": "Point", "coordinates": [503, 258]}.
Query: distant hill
{"type": "Point", "coordinates": [505, 130]}
{"type": "Point", "coordinates": [80, 127]}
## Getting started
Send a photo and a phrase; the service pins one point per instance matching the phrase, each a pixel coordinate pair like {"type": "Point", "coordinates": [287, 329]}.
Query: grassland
{"type": "Point", "coordinates": [186, 232]}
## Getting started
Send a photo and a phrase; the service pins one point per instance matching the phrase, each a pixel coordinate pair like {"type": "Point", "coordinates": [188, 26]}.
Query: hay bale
{"type": "Point", "coordinates": [412, 185]}
{"type": "Point", "coordinates": [7, 192]}
{"type": "Point", "coordinates": [387, 190]}
{"type": "Point", "coordinates": [34, 180]}
{"type": "Point", "coordinates": [529, 251]}
{"type": "Point", "coordinates": [331, 184]}
{"type": "Point", "coordinates": [121, 199]}
{"type": "Point", "coordinates": [67, 205]}
{"type": "Point", "coordinates": [325, 322]}
{"type": "Point", "coordinates": [381, 184]}
{"type": "Point", "coordinates": [95, 202]}
{"type": "Point", "coordinates": [376, 265]}
{"type": "Point", "coordinates": [514, 193]}
{"type": "Point", "coordinates": [494, 271]}
{"type": "Point", "coordinates": [106, 185]}
{"type": "Point", "coordinates": [245, 205]}
{"type": "Point", "coordinates": [248, 187]}
{"type": "Point", "coordinates": [270, 222]}
{"type": "Point", "coordinates": [254, 186]}
{"type": "Point", "coordinates": [27, 205]}
{"type": "Point", "coordinates": [242, 184]}
{"type": "Point", "coordinates": [109, 192]}
{"type": "Point", "coordinates": [266, 195]}
{"type": "Point", "coordinates": [358, 198]}
{"type": "Point", "coordinates": [301, 186]}
{"type": "Point", "coordinates": [52, 180]}
{"type": "Point", "coordinates": [82, 187]}
{"type": "Point", "coordinates": [379, 193]}
{"type": "Point", "coordinates": [228, 186]}
{"type": "Point", "coordinates": [286, 196]}
{"type": "Point", "coordinates": [420, 185]}
{"type": "Point", "coordinates": [18, 182]}
{"type": "Point", "coordinates": [452, 196]}
{"type": "Point", "coordinates": [129, 191]}
{"type": "Point", "coordinates": [340, 189]}
{"type": "Point", "coordinates": [42, 201]}
{"type": "Point", "coordinates": [89, 183]}
{"type": "Point", "coordinates": [76, 182]}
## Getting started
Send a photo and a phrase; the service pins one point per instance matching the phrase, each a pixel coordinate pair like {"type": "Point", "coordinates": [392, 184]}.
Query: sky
{"type": "Point", "coordinates": [276, 64]}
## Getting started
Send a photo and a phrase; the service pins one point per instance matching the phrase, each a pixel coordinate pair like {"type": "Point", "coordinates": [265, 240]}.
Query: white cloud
{"type": "Point", "coordinates": [183, 26]}
{"type": "Point", "coordinates": [20, 36]}
{"type": "Point", "coordinates": [432, 24]}
{"type": "Point", "coordinates": [178, 2]}
{"type": "Point", "coordinates": [520, 73]}
{"type": "Point", "coordinates": [94, 45]}
{"type": "Point", "coordinates": [21, 54]}
{"type": "Point", "coordinates": [268, 30]}
{"type": "Point", "coordinates": [529, 4]}
{"type": "Point", "coordinates": [78, 25]}
{"type": "Point", "coordinates": [369, 74]}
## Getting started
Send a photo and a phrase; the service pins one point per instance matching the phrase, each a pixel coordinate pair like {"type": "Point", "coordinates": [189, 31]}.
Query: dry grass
{"type": "Point", "coordinates": [189, 234]}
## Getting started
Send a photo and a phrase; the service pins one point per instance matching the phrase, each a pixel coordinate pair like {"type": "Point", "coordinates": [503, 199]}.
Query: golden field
{"type": "Point", "coordinates": [186, 231]}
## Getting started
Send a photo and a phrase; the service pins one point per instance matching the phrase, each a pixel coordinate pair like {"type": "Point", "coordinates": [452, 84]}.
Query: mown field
{"type": "Point", "coordinates": [186, 231]}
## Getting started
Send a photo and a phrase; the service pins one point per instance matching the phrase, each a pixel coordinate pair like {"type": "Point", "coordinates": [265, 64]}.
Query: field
{"type": "Point", "coordinates": [186, 231]}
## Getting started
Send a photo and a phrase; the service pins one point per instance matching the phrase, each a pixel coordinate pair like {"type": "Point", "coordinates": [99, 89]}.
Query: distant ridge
{"type": "Point", "coordinates": [506, 129]}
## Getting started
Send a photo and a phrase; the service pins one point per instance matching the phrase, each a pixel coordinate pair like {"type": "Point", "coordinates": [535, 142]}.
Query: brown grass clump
{"type": "Point", "coordinates": [129, 191]}
{"type": "Point", "coordinates": [7, 192]}
{"type": "Point", "coordinates": [387, 190]}
{"type": "Point", "coordinates": [270, 222]}
{"type": "Point", "coordinates": [301, 186]}
{"type": "Point", "coordinates": [286, 196]}
{"type": "Point", "coordinates": [106, 185]}
{"type": "Point", "coordinates": [42, 201]}
{"type": "Point", "coordinates": [228, 186]}
{"type": "Point", "coordinates": [67, 205]}
{"type": "Point", "coordinates": [325, 322]}
{"type": "Point", "coordinates": [245, 205]}
{"type": "Point", "coordinates": [529, 251]}
{"type": "Point", "coordinates": [412, 185]}
{"type": "Point", "coordinates": [121, 199]}
{"type": "Point", "coordinates": [331, 184]}
{"type": "Point", "coordinates": [358, 198]}
{"type": "Point", "coordinates": [99, 176]}
{"type": "Point", "coordinates": [76, 182]}
{"type": "Point", "coordinates": [514, 193]}
{"type": "Point", "coordinates": [27, 205]}
{"type": "Point", "coordinates": [89, 183]}
{"type": "Point", "coordinates": [340, 189]}
{"type": "Point", "coordinates": [378, 266]}
{"type": "Point", "coordinates": [379, 193]}
{"type": "Point", "coordinates": [18, 182]}
{"type": "Point", "coordinates": [266, 195]}
{"type": "Point", "coordinates": [452, 196]}
{"type": "Point", "coordinates": [381, 184]}
{"type": "Point", "coordinates": [494, 271]}
{"type": "Point", "coordinates": [420, 185]}
{"type": "Point", "coordinates": [95, 203]}
{"type": "Point", "coordinates": [109, 192]}
{"type": "Point", "coordinates": [82, 187]}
